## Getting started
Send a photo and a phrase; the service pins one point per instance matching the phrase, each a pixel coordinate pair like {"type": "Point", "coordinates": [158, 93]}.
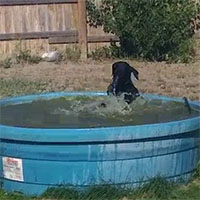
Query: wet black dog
{"type": "Point", "coordinates": [123, 78]}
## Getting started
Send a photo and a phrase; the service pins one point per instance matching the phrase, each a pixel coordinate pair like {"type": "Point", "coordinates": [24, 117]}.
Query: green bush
{"type": "Point", "coordinates": [154, 29]}
{"type": "Point", "coordinates": [25, 56]}
{"type": "Point", "coordinates": [71, 54]}
{"type": "Point", "coordinates": [112, 51]}
{"type": "Point", "coordinates": [7, 63]}
{"type": "Point", "coordinates": [20, 57]}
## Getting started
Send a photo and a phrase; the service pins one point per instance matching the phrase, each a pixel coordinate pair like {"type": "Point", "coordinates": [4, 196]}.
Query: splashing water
{"type": "Point", "coordinates": [89, 112]}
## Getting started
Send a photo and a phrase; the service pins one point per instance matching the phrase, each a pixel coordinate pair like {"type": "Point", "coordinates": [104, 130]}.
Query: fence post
{"type": "Point", "coordinates": [82, 29]}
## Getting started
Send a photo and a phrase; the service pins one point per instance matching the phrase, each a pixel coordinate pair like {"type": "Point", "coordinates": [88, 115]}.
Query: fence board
{"type": "Point", "coordinates": [91, 39]}
{"type": "Point", "coordinates": [34, 2]}
{"type": "Point", "coordinates": [82, 29]}
{"type": "Point", "coordinates": [36, 35]}
{"type": "Point", "coordinates": [17, 19]}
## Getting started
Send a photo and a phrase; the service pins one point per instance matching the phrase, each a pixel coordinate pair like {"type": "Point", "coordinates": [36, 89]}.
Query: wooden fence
{"type": "Point", "coordinates": [44, 24]}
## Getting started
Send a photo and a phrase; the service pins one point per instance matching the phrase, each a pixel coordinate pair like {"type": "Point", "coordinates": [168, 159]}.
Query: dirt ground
{"type": "Point", "coordinates": [158, 78]}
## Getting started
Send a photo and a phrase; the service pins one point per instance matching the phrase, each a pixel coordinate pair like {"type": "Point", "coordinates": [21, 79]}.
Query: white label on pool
{"type": "Point", "coordinates": [12, 169]}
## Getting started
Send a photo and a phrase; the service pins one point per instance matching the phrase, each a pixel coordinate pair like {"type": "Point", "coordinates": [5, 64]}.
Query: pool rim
{"type": "Point", "coordinates": [114, 133]}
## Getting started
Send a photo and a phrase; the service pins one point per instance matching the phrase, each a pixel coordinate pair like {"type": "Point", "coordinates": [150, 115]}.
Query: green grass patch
{"type": "Point", "coordinates": [197, 172]}
{"type": "Point", "coordinates": [13, 196]}
{"type": "Point", "coordinates": [157, 189]}
{"type": "Point", "coordinates": [190, 192]}
{"type": "Point", "coordinates": [6, 63]}
{"type": "Point", "coordinates": [26, 57]}
{"type": "Point", "coordinates": [71, 54]}
{"type": "Point", "coordinates": [20, 57]}
{"type": "Point", "coordinates": [15, 87]}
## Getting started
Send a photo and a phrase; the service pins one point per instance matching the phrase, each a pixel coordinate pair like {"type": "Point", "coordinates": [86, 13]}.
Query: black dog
{"type": "Point", "coordinates": [123, 77]}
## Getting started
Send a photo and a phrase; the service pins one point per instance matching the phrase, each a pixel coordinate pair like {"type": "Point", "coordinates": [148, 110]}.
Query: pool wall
{"type": "Point", "coordinates": [33, 159]}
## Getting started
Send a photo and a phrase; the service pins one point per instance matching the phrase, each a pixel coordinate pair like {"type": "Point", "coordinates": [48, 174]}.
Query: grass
{"type": "Point", "coordinates": [16, 87]}
{"type": "Point", "coordinates": [25, 56]}
{"type": "Point", "coordinates": [13, 196]}
{"type": "Point", "coordinates": [20, 57]}
{"type": "Point", "coordinates": [6, 63]}
{"type": "Point", "coordinates": [191, 191]}
{"type": "Point", "coordinates": [157, 189]}
{"type": "Point", "coordinates": [71, 54]}
{"type": "Point", "coordinates": [107, 52]}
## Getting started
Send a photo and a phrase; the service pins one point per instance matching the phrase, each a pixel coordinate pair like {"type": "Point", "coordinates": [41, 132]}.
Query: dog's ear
{"type": "Point", "coordinates": [113, 68]}
{"type": "Point", "coordinates": [134, 71]}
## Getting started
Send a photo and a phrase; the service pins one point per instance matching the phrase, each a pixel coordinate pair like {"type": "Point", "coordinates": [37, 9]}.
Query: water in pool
{"type": "Point", "coordinates": [85, 112]}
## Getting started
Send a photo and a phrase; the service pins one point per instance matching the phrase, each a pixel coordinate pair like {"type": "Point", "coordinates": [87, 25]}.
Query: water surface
{"type": "Point", "coordinates": [90, 112]}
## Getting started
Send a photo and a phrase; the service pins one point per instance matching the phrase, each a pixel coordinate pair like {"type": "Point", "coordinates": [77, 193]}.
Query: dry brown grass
{"type": "Point", "coordinates": [158, 78]}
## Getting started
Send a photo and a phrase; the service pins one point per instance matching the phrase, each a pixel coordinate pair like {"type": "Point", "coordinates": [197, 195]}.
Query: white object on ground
{"type": "Point", "coordinates": [51, 56]}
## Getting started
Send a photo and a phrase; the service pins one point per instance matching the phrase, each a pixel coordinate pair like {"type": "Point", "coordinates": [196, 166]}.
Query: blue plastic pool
{"type": "Point", "coordinates": [33, 159]}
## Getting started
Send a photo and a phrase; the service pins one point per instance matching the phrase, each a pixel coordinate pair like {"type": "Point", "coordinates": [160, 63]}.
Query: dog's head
{"type": "Point", "coordinates": [125, 71]}
{"type": "Point", "coordinates": [123, 79]}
